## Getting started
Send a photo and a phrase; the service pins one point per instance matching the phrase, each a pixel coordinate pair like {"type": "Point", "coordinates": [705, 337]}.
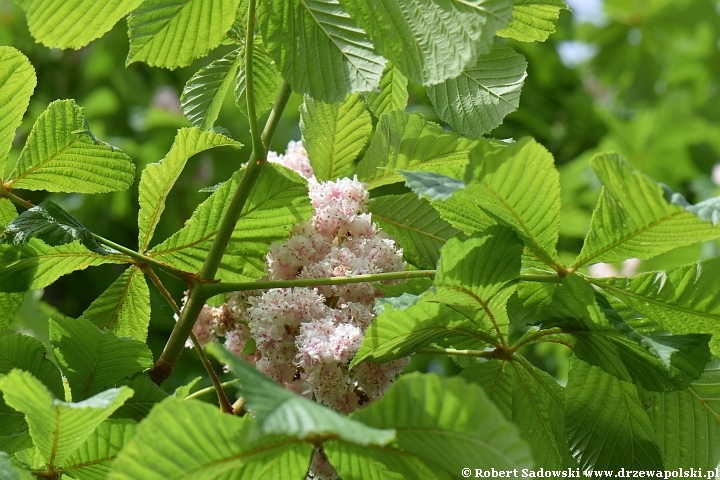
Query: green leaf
{"type": "Point", "coordinates": [10, 471]}
{"type": "Point", "coordinates": [62, 155]}
{"type": "Point", "coordinates": [276, 203]}
{"type": "Point", "coordinates": [17, 82]}
{"type": "Point", "coordinates": [538, 409]}
{"type": "Point", "coordinates": [416, 226]}
{"type": "Point", "coordinates": [477, 100]}
{"type": "Point", "coordinates": [73, 23]}
{"type": "Point", "coordinates": [58, 428]}
{"type": "Point", "coordinates": [684, 300]}
{"type": "Point", "coordinates": [606, 424]}
{"type": "Point", "coordinates": [633, 218]}
{"type": "Point", "coordinates": [432, 185]}
{"type": "Point", "coordinates": [409, 142]}
{"type": "Point", "coordinates": [93, 360]}
{"type": "Point", "coordinates": [533, 20]}
{"type": "Point", "coordinates": [34, 265]}
{"type": "Point", "coordinates": [93, 459]}
{"type": "Point", "coordinates": [634, 349]}
{"type": "Point", "coordinates": [462, 212]}
{"type": "Point", "coordinates": [439, 433]}
{"type": "Point", "coordinates": [495, 378]}
{"type": "Point", "coordinates": [280, 411]}
{"type": "Point", "coordinates": [204, 93]}
{"type": "Point", "coordinates": [51, 224]}
{"type": "Point", "coordinates": [9, 305]}
{"type": "Point", "coordinates": [158, 178]}
{"type": "Point", "coordinates": [393, 94]}
{"type": "Point", "coordinates": [172, 33]}
{"type": "Point", "coordinates": [519, 186]}
{"type": "Point", "coordinates": [431, 41]}
{"type": "Point", "coordinates": [334, 134]}
{"type": "Point", "coordinates": [147, 395]}
{"type": "Point", "coordinates": [183, 439]}
{"type": "Point", "coordinates": [29, 354]}
{"type": "Point", "coordinates": [319, 48]}
{"type": "Point", "coordinates": [687, 423]}
{"type": "Point", "coordinates": [265, 75]}
{"type": "Point", "coordinates": [124, 308]}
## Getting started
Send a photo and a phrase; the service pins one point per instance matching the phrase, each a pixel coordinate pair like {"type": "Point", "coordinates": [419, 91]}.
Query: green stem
{"type": "Point", "coordinates": [257, 141]}
{"type": "Point", "coordinates": [211, 289]}
{"type": "Point", "coordinates": [536, 336]}
{"type": "Point", "coordinates": [203, 391]}
{"type": "Point", "coordinates": [452, 351]}
{"type": "Point", "coordinates": [14, 198]}
{"type": "Point", "coordinates": [197, 297]}
{"type": "Point", "coordinates": [541, 278]}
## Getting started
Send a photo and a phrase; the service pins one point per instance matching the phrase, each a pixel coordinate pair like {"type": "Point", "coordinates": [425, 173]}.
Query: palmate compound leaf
{"type": "Point", "coordinates": [533, 20]}
{"type": "Point", "coordinates": [634, 219]}
{"type": "Point", "coordinates": [415, 225]}
{"type": "Point", "coordinates": [204, 93]}
{"type": "Point", "coordinates": [73, 23]}
{"type": "Point", "coordinates": [477, 100]}
{"type": "Point", "coordinates": [409, 142]}
{"type": "Point", "coordinates": [474, 280]}
{"type": "Point", "coordinates": [172, 33]}
{"type": "Point", "coordinates": [58, 428]}
{"type": "Point", "coordinates": [606, 423]}
{"type": "Point", "coordinates": [439, 432]}
{"type": "Point", "coordinates": [124, 308]}
{"type": "Point", "coordinates": [280, 411]}
{"type": "Point", "coordinates": [93, 360]}
{"type": "Point", "coordinates": [184, 439]}
{"type": "Point", "coordinates": [633, 349]}
{"type": "Point", "coordinates": [51, 224]}
{"type": "Point", "coordinates": [682, 301]}
{"type": "Point", "coordinates": [334, 134]}
{"type": "Point", "coordinates": [518, 185]}
{"type": "Point", "coordinates": [534, 402]}
{"type": "Point", "coordinates": [17, 82]}
{"type": "Point", "coordinates": [62, 155]}
{"type": "Point", "coordinates": [318, 48]}
{"type": "Point", "coordinates": [687, 422]}
{"type": "Point", "coordinates": [276, 203]}
{"type": "Point", "coordinates": [24, 353]}
{"type": "Point", "coordinates": [392, 94]}
{"type": "Point", "coordinates": [431, 41]}
{"type": "Point", "coordinates": [158, 178]}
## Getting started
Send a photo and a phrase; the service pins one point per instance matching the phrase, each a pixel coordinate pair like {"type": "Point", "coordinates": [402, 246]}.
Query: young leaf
{"type": "Point", "coordinates": [93, 360]}
{"type": "Point", "coordinates": [431, 41]}
{"type": "Point", "coordinates": [416, 226]}
{"type": "Point", "coordinates": [158, 178]}
{"type": "Point", "coordinates": [683, 300]}
{"type": "Point", "coordinates": [477, 100]}
{"type": "Point", "coordinates": [191, 439]}
{"type": "Point", "coordinates": [124, 308]}
{"type": "Point", "coordinates": [51, 224]}
{"type": "Point", "coordinates": [172, 33]}
{"type": "Point", "coordinates": [606, 423]}
{"type": "Point", "coordinates": [319, 48]}
{"type": "Point", "coordinates": [265, 75]}
{"type": "Point", "coordinates": [432, 185]}
{"type": "Point", "coordinates": [687, 422]}
{"type": "Point", "coordinates": [280, 411]}
{"type": "Point", "coordinates": [73, 23]}
{"type": "Point", "coordinates": [393, 94]}
{"type": "Point", "coordinates": [533, 20]}
{"type": "Point", "coordinates": [519, 186]}
{"type": "Point", "coordinates": [58, 428]}
{"type": "Point", "coordinates": [438, 433]}
{"type": "Point", "coordinates": [34, 265]}
{"type": "Point", "coordinates": [147, 394]}
{"type": "Point", "coordinates": [633, 218]}
{"type": "Point", "coordinates": [334, 134]}
{"type": "Point", "coordinates": [17, 82]}
{"type": "Point", "coordinates": [409, 142]}
{"type": "Point", "coordinates": [62, 155]}
{"type": "Point", "coordinates": [93, 459]}
{"type": "Point", "coordinates": [204, 93]}
{"type": "Point", "coordinates": [275, 203]}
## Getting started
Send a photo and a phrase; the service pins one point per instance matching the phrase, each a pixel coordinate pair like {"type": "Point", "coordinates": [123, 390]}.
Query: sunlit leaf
{"type": "Point", "coordinates": [17, 82]}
